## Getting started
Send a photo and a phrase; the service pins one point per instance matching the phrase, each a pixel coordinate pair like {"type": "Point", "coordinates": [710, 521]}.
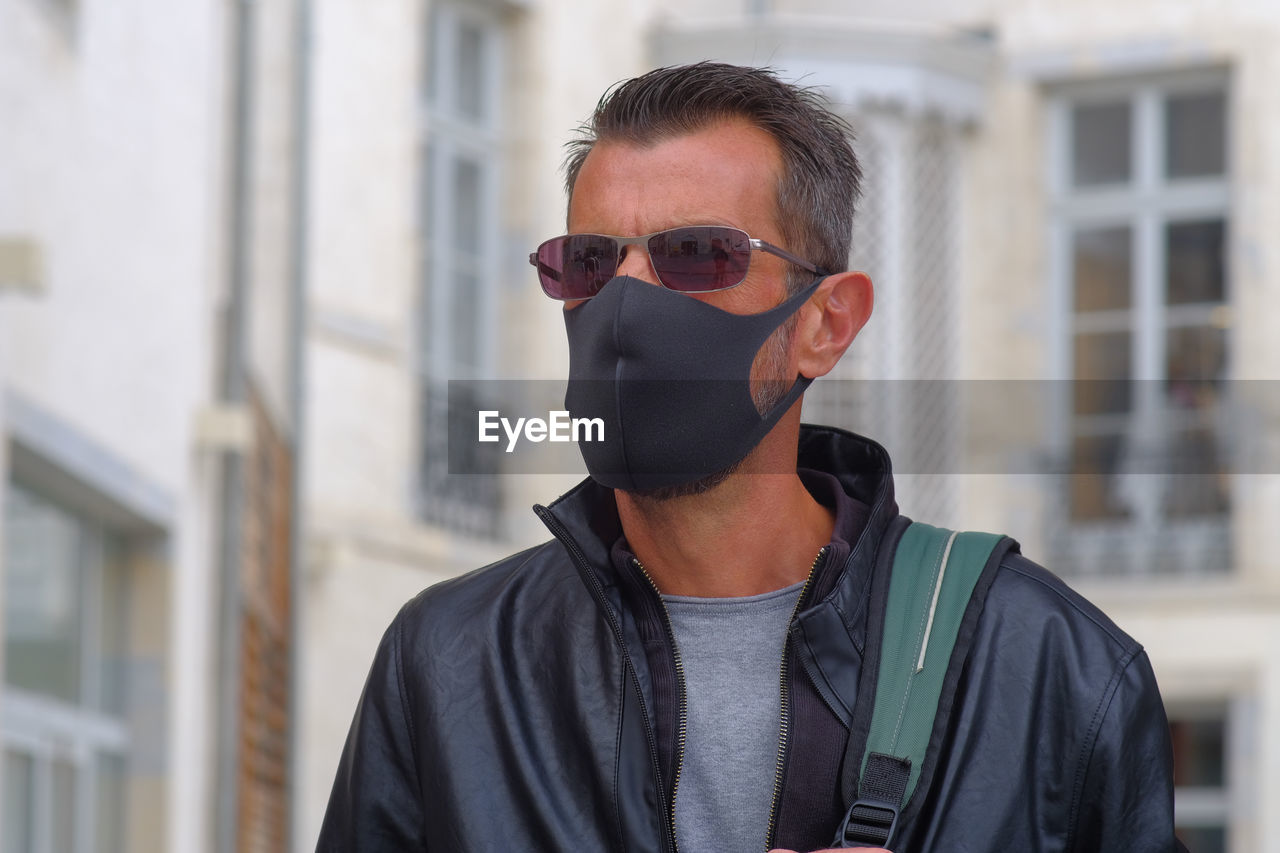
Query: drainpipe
{"type": "Point", "coordinates": [297, 396]}
{"type": "Point", "coordinates": [234, 395]}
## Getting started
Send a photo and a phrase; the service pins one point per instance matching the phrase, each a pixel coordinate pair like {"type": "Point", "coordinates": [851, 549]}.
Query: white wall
{"type": "Point", "coordinates": [110, 159]}
{"type": "Point", "coordinates": [110, 168]}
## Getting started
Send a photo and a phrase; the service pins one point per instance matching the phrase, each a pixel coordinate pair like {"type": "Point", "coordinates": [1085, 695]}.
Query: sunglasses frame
{"type": "Point", "coordinates": [642, 240]}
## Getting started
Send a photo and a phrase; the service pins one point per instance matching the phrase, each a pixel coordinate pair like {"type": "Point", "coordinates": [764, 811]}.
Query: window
{"type": "Point", "coordinates": [66, 741]}
{"type": "Point", "coordinates": [1141, 230]}
{"type": "Point", "coordinates": [1201, 777]}
{"type": "Point", "coordinates": [459, 222]}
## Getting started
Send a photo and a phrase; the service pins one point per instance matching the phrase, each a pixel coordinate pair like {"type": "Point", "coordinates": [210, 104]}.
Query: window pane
{"type": "Point", "coordinates": [1102, 370]}
{"type": "Point", "coordinates": [44, 551]}
{"type": "Point", "coordinates": [1101, 265]}
{"type": "Point", "coordinates": [1195, 261]}
{"type": "Point", "coordinates": [470, 71]}
{"type": "Point", "coordinates": [64, 807]}
{"type": "Point", "coordinates": [1195, 138]}
{"type": "Point", "coordinates": [1195, 361]}
{"type": "Point", "coordinates": [1100, 151]}
{"type": "Point", "coordinates": [112, 648]}
{"type": "Point", "coordinates": [1200, 482]}
{"type": "Point", "coordinates": [19, 802]}
{"type": "Point", "coordinates": [109, 832]}
{"type": "Point", "coordinates": [466, 205]}
{"type": "Point", "coordinates": [426, 190]}
{"type": "Point", "coordinates": [1096, 485]}
{"type": "Point", "coordinates": [466, 313]}
{"type": "Point", "coordinates": [432, 251]}
{"type": "Point", "coordinates": [1204, 839]}
{"type": "Point", "coordinates": [432, 66]}
{"type": "Point", "coordinates": [1199, 762]}
{"type": "Point", "coordinates": [463, 503]}
{"type": "Point", "coordinates": [1199, 752]}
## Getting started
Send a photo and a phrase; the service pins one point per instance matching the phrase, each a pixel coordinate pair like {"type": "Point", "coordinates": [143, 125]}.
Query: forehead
{"type": "Point", "coordinates": [723, 174]}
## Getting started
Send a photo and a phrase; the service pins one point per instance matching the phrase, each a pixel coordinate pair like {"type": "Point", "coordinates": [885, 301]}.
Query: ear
{"type": "Point", "coordinates": [830, 320]}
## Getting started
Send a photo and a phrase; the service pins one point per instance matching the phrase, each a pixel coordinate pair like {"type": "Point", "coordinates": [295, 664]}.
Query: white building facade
{"type": "Point", "coordinates": [1064, 216]}
{"type": "Point", "coordinates": [245, 247]}
{"type": "Point", "coordinates": [148, 246]}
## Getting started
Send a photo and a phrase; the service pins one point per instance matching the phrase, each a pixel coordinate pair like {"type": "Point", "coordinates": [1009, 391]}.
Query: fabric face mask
{"type": "Point", "coordinates": [669, 376]}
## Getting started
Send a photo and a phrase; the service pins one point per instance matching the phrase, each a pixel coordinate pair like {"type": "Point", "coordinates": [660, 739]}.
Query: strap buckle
{"type": "Point", "coordinates": [868, 822]}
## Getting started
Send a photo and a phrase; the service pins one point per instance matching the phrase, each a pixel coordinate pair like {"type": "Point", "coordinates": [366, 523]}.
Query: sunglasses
{"type": "Point", "coordinates": [694, 259]}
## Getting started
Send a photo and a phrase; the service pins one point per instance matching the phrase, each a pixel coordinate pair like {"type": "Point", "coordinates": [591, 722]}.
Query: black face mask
{"type": "Point", "coordinates": [670, 377]}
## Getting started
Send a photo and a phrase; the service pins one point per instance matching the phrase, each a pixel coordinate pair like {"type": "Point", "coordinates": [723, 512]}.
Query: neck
{"type": "Point", "coordinates": [753, 533]}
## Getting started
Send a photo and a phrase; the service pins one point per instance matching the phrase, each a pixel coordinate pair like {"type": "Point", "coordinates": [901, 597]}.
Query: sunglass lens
{"type": "Point", "coordinates": [700, 258]}
{"type": "Point", "coordinates": [576, 266]}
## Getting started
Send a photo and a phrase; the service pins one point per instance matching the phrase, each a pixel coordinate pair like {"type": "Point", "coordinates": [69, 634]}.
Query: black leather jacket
{"type": "Point", "coordinates": [530, 706]}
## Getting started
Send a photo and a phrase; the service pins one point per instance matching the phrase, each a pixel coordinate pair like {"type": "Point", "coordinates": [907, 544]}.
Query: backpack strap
{"type": "Point", "coordinates": [919, 641]}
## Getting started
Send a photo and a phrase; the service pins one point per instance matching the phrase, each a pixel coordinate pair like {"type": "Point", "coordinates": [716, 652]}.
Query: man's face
{"type": "Point", "coordinates": [725, 174]}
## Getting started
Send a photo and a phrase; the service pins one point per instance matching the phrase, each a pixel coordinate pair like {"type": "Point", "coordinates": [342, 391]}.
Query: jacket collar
{"type": "Point", "coordinates": [589, 512]}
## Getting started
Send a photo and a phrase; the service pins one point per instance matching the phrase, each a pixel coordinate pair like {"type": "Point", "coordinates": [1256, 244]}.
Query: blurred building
{"type": "Point", "coordinates": [149, 287]}
{"type": "Point", "coordinates": [245, 246]}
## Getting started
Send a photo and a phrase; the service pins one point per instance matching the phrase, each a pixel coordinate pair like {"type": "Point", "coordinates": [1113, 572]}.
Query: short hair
{"type": "Point", "coordinates": [820, 181]}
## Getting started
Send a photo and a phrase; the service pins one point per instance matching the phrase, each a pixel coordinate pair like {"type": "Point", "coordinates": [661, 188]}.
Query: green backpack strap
{"type": "Point", "coordinates": [935, 571]}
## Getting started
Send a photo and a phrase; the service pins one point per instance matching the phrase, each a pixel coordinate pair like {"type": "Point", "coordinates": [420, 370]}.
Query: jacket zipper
{"type": "Point", "coordinates": [784, 693]}
{"type": "Point", "coordinates": [560, 532]}
{"type": "Point", "coordinates": [682, 725]}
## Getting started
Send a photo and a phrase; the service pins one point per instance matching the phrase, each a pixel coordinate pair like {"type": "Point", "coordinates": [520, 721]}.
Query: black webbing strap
{"type": "Point", "coordinates": [874, 816]}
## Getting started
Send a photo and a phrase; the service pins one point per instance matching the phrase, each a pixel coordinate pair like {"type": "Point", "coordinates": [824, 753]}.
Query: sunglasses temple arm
{"type": "Point", "coordinates": [785, 255]}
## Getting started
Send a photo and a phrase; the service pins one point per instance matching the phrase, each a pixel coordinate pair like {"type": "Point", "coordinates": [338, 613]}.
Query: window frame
{"type": "Point", "coordinates": [1212, 806]}
{"type": "Point", "coordinates": [48, 729]}
{"type": "Point", "coordinates": [1146, 204]}
{"type": "Point", "coordinates": [447, 138]}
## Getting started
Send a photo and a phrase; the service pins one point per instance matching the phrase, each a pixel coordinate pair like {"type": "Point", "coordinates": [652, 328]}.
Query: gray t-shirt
{"type": "Point", "coordinates": [731, 649]}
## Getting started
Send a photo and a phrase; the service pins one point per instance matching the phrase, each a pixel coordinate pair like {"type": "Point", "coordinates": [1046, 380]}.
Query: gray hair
{"type": "Point", "coordinates": [820, 181]}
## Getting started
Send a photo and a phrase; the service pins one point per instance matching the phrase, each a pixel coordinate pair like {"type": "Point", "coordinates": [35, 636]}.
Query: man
{"type": "Point", "coordinates": [680, 667]}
